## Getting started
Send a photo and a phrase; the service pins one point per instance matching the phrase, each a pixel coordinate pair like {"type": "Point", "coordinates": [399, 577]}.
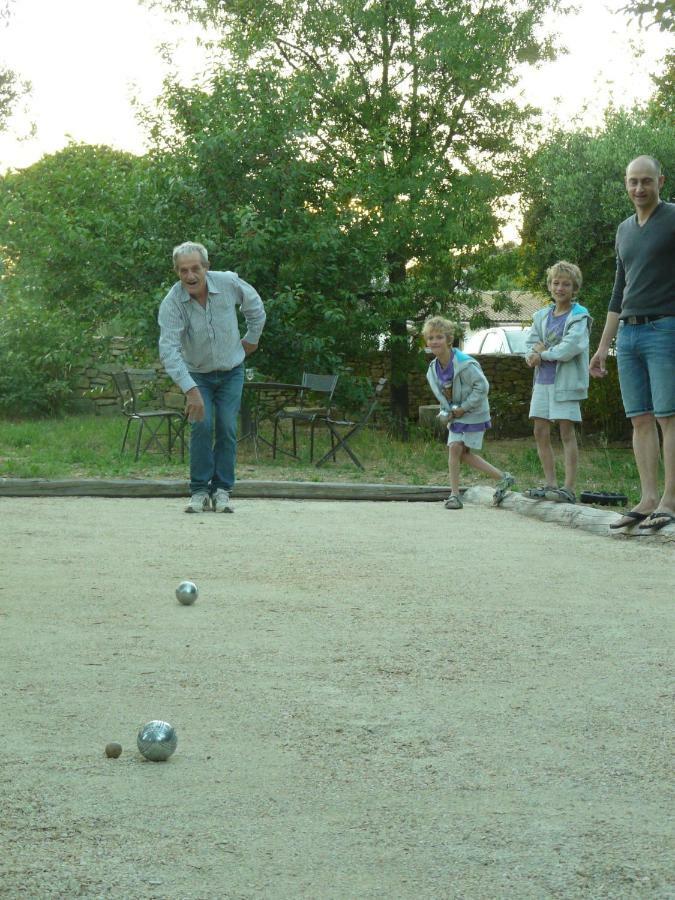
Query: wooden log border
{"type": "Point", "coordinates": [578, 515]}
{"type": "Point", "coordinates": [283, 490]}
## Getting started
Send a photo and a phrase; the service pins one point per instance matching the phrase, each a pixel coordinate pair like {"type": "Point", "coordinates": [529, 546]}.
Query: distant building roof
{"type": "Point", "coordinates": [514, 307]}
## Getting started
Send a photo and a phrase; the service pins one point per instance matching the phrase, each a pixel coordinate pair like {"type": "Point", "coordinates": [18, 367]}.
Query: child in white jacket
{"type": "Point", "coordinates": [558, 352]}
{"type": "Point", "coordinates": [461, 388]}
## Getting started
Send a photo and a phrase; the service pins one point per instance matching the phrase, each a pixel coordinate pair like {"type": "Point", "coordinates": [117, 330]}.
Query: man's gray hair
{"type": "Point", "coordinates": [190, 247]}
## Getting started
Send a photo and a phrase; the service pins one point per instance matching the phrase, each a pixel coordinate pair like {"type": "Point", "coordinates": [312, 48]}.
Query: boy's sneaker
{"type": "Point", "coordinates": [221, 501]}
{"type": "Point", "coordinates": [199, 503]}
{"type": "Point", "coordinates": [502, 488]}
{"type": "Point", "coordinates": [560, 495]}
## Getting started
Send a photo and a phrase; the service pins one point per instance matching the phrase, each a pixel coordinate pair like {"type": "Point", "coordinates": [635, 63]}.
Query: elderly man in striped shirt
{"type": "Point", "coordinates": [202, 351]}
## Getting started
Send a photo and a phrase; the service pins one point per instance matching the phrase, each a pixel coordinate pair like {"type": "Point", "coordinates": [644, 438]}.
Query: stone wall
{"type": "Point", "coordinates": [96, 390]}
{"type": "Point", "coordinates": [510, 388]}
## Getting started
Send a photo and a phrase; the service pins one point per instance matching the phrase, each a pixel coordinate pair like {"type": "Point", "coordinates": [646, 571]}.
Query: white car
{"type": "Point", "coordinates": [499, 339]}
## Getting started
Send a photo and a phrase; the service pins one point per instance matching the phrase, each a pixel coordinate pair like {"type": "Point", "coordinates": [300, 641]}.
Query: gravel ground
{"type": "Point", "coordinates": [373, 700]}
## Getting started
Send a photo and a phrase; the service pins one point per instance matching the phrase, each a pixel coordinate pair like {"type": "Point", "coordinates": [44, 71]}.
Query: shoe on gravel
{"type": "Point", "coordinates": [503, 487]}
{"type": "Point", "coordinates": [453, 502]}
{"type": "Point", "coordinates": [221, 501]}
{"type": "Point", "coordinates": [199, 503]}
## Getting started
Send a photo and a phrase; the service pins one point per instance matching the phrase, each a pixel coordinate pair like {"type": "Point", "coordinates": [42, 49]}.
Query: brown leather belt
{"type": "Point", "coordinates": [641, 320]}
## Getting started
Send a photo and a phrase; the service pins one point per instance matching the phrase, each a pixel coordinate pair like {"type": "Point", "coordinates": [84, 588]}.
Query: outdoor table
{"type": "Point", "coordinates": [257, 409]}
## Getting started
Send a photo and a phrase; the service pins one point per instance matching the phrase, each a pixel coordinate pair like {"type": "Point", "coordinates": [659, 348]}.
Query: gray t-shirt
{"type": "Point", "coordinates": [645, 265]}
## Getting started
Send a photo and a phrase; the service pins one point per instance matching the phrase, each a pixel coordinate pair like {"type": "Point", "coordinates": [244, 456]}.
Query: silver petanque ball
{"type": "Point", "coordinates": [157, 740]}
{"type": "Point", "coordinates": [187, 593]}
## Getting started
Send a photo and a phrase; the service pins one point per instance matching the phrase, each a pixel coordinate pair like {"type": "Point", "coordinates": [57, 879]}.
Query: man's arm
{"type": "Point", "coordinates": [597, 364]}
{"type": "Point", "coordinates": [171, 327]}
{"type": "Point", "coordinates": [254, 312]}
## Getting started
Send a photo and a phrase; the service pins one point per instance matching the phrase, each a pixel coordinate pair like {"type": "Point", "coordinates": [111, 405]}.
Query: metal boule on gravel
{"type": "Point", "coordinates": [157, 740]}
{"type": "Point", "coordinates": [187, 592]}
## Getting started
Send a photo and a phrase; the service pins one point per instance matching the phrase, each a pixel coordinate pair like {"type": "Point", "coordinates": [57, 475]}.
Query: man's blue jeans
{"type": "Point", "coordinates": [212, 461]}
{"type": "Point", "coordinates": [646, 360]}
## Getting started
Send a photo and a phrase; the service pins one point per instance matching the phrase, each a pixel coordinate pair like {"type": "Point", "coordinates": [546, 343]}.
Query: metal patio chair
{"type": "Point", "coordinates": [344, 430]}
{"type": "Point", "coordinates": [314, 389]}
{"type": "Point", "coordinates": [153, 420]}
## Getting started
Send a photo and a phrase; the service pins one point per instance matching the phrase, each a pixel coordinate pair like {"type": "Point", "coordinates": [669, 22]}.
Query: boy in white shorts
{"type": "Point", "coordinates": [461, 388]}
{"type": "Point", "coordinates": [558, 352]}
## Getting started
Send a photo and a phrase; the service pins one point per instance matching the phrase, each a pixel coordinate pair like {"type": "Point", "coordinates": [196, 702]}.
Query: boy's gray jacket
{"type": "Point", "coordinates": [571, 354]}
{"type": "Point", "coordinates": [469, 388]}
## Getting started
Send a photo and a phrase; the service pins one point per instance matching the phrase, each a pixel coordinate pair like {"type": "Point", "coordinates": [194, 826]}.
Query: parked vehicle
{"type": "Point", "coordinates": [508, 339]}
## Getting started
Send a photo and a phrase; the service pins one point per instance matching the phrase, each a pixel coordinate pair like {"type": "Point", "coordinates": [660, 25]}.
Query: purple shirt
{"type": "Point", "coordinates": [553, 332]}
{"type": "Point", "coordinates": [445, 375]}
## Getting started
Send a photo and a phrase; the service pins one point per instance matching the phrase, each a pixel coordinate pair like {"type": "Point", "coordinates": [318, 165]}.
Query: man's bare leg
{"type": "Point", "coordinates": [667, 502]}
{"type": "Point", "coordinates": [646, 450]}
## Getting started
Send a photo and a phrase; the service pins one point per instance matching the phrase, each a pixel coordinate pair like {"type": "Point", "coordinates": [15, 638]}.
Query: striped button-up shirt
{"type": "Point", "coordinates": [194, 338]}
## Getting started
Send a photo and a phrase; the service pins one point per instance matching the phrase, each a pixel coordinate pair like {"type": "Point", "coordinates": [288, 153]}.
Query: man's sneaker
{"type": "Point", "coordinates": [502, 488]}
{"type": "Point", "coordinates": [199, 503]}
{"type": "Point", "coordinates": [560, 495]}
{"type": "Point", "coordinates": [221, 501]}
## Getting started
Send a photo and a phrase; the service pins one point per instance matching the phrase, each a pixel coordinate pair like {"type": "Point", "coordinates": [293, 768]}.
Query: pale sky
{"type": "Point", "coordinates": [87, 58]}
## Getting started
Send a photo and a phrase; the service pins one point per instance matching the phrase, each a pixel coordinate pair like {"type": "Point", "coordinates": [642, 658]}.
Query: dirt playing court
{"type": "Point", "coordinates": [372, 700]}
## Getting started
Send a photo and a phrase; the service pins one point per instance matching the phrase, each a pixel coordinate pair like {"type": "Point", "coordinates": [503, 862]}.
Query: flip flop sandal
{"type": "Point", "coordinates": [536, 493]}
{"type": "Point", "coordinates": [560, 495]}
{"type": "Point", "coordinates": [668, 519]}
{"type": "Point", "coordinates": [602, 498]}
{"type": "Point", "coordinates": [633, 517]}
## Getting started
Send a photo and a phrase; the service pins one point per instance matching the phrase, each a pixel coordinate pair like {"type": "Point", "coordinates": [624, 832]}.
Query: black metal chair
{"type": "Point", "coordinates": [313, 388]}
{"type": "Point", "coordinates": [152, 419]}
{"type": "Point", "coordinates": [344, 430]}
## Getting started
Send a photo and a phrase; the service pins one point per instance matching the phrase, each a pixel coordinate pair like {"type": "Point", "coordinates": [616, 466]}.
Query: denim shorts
{"type": "Point", "coordinates": [646, 361]}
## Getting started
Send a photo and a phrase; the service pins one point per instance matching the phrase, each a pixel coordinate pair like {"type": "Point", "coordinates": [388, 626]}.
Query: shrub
{"type": "Point", "coordinates": [41, 350]}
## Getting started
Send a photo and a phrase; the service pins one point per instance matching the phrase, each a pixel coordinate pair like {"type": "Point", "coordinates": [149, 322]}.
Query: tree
{"type": "Point", "coordinates": [574, 197]}
{"type": "Point", "coordinates": [406, 122]}
{"type": "Point", "coordinates": [659, 13]}
{"type": "Point", "coordinates": [12, 86]}
{"type": "Point", "coordinates": [654, 12]}
{"type": "Point", "coordinates": [66, 225]}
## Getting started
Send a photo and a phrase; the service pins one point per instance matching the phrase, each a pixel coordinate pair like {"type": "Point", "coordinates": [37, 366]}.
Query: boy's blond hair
{"type": "Point", "coordinates": [568, 269]}
{"type": "Point", "coordinates": [438, 323]}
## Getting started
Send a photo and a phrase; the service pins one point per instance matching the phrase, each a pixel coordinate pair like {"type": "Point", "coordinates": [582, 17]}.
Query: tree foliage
{"type": "Point", "coordinates": [653, 12]}
{"type": "Point", "coordinates": [80, 252]}
{"type": "Point", "coordinates": [575, 197]}
{"type": "Point", "coordinates": [399, 134]}
{"type": "Point", "coordinates": [12, 86]}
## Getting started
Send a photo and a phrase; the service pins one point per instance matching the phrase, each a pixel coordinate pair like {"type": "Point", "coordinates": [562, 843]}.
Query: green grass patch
{"type": "Point", "coordinates": [89, 447]}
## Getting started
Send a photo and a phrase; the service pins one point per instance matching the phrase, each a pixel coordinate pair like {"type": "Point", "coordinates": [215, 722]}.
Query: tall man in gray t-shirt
{"type": "Point", "coordinates": [642, 312]}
